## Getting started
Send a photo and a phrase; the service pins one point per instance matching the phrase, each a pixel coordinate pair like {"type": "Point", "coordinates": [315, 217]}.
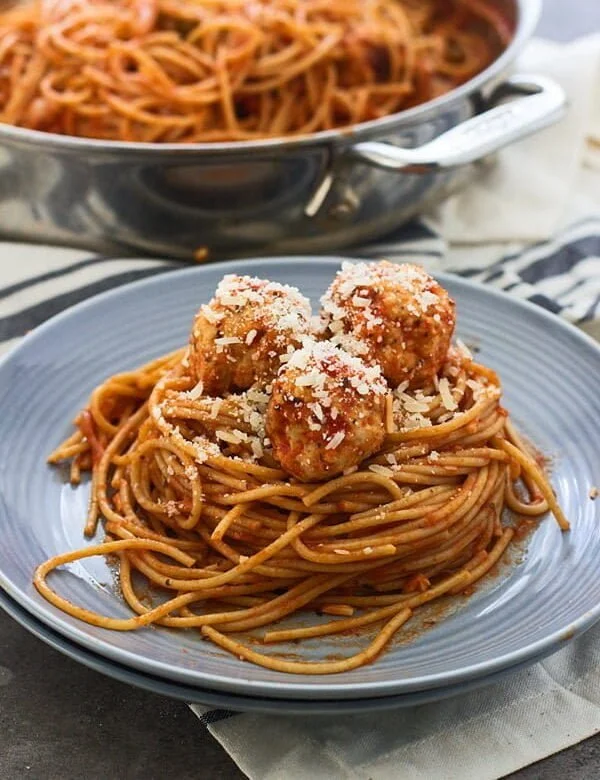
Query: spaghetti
{"type": "Point", "coordinates": [234, 70]}
{"type": "Point", "coordinates": [234, 544]}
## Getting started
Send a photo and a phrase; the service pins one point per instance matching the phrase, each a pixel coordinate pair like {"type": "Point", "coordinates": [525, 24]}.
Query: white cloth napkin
{"type": "Point", "coordinates": [543, 185]}
{"type": "Point", "coordinates": [476, 736]}
{"type": "Point", "coordinates": [545, 182]}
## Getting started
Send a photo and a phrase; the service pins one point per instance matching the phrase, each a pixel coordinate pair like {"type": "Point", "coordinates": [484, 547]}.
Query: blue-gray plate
{"type": "Point", "coordinates": [550, 373]}
{"type": "Point", "coordinates": [231, 701]}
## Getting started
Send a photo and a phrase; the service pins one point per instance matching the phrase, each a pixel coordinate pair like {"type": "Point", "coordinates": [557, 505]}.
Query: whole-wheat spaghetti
{"type": "Point", "coordinates": [234, 70]}
{"type": "Point", "coordinates": [193, 499]}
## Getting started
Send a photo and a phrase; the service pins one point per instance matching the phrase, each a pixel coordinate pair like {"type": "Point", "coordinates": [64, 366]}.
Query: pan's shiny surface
{"type": "Point", "coordinates": [317, 193]}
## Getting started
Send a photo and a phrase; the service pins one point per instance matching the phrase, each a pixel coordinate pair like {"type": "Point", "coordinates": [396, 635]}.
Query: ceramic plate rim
{"type": "Point", "coordinates": [227, 699]}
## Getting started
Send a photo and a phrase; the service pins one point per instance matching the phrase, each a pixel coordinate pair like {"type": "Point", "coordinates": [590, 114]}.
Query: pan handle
{"type": "Point", "coordinates": [537, 102]}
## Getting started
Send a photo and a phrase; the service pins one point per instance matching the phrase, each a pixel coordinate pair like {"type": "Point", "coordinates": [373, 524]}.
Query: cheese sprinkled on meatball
{"type": "Point", "coordinates": [396, 316]}
{"type": "Point", "coordinates": [326, 412]}
{"type": "Point", "coordinates": [238, 339]}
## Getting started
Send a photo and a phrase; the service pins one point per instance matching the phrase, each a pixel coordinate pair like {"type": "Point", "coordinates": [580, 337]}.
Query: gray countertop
{"type": "Point", "coordinates": [61, 720]}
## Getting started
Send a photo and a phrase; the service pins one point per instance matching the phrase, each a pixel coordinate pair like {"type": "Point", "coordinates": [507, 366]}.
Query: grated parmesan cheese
{"type": "Point", "coordinates": [446, 395]}
{"type": "Point", "coordinates": [355, 279]}
{"type": "Point", "coordinates": [232, 437]}
{"type": "Point", "coordinates": [463, 349]}
{"type": "Point", "coordinates": [383, 471]}
{"type": "Point", "coordinates": [213, 316]}
{"type": "Point", "coordinates": [196, 391]}
{"type": "Point", "coordinates": [203, 448]}
{"type": "Point", "coordinates": [257, 449]}
{"type": "Point", "coordinates": [279, 306]}
{"type": "Point", "coordinates": [317, 410]}
{"type": "Point", "coordinates": [317, 362]}
{"type": "Point", "coordinates": [350, 343]}
{"type": "Point", "coordinates": [414, 421]}
{"type": "Point", "coordinates": [413, 405]}
{"type": "Point", "coordinates": [225, 341]}
{"type": "Point", "coordinates": [335, 440]}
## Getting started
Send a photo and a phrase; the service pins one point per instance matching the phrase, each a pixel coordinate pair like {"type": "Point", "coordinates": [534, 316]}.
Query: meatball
{"type": "Point", "coordinates": [238, 338]}
{"type": "Point", "coordinates": [326, 412]}
{"type": "Point", "coordinates": [394, 315]}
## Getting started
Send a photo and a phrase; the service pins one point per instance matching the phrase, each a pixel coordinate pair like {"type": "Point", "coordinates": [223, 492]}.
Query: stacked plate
{"type": "Point", "coordinates": [526, 611]}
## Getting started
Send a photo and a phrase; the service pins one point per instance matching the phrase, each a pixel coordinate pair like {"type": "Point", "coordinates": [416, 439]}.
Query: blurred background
{"type": "Point", "coordinates": [563, 20]}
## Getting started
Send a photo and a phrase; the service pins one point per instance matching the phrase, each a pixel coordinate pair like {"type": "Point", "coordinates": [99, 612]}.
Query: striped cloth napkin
{"type": "Point", "coordinates": [530, 225]}
{"type": "Point", "coordinates": [561, 274]}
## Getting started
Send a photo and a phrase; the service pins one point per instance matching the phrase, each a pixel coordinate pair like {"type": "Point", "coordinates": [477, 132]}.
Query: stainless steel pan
{"type": "Point", "coordinates": [318, 193]}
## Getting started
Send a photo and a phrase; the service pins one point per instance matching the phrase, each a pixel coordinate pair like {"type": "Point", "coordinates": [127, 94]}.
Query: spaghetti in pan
{"type": "Point", "coordinates": [231, 70]}
{"type": "Point", "coordinates": [358, 465]}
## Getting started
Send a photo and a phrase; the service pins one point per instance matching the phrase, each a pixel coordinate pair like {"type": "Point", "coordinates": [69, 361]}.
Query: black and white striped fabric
{"type": "Point", "coordinates": [562, 275]}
